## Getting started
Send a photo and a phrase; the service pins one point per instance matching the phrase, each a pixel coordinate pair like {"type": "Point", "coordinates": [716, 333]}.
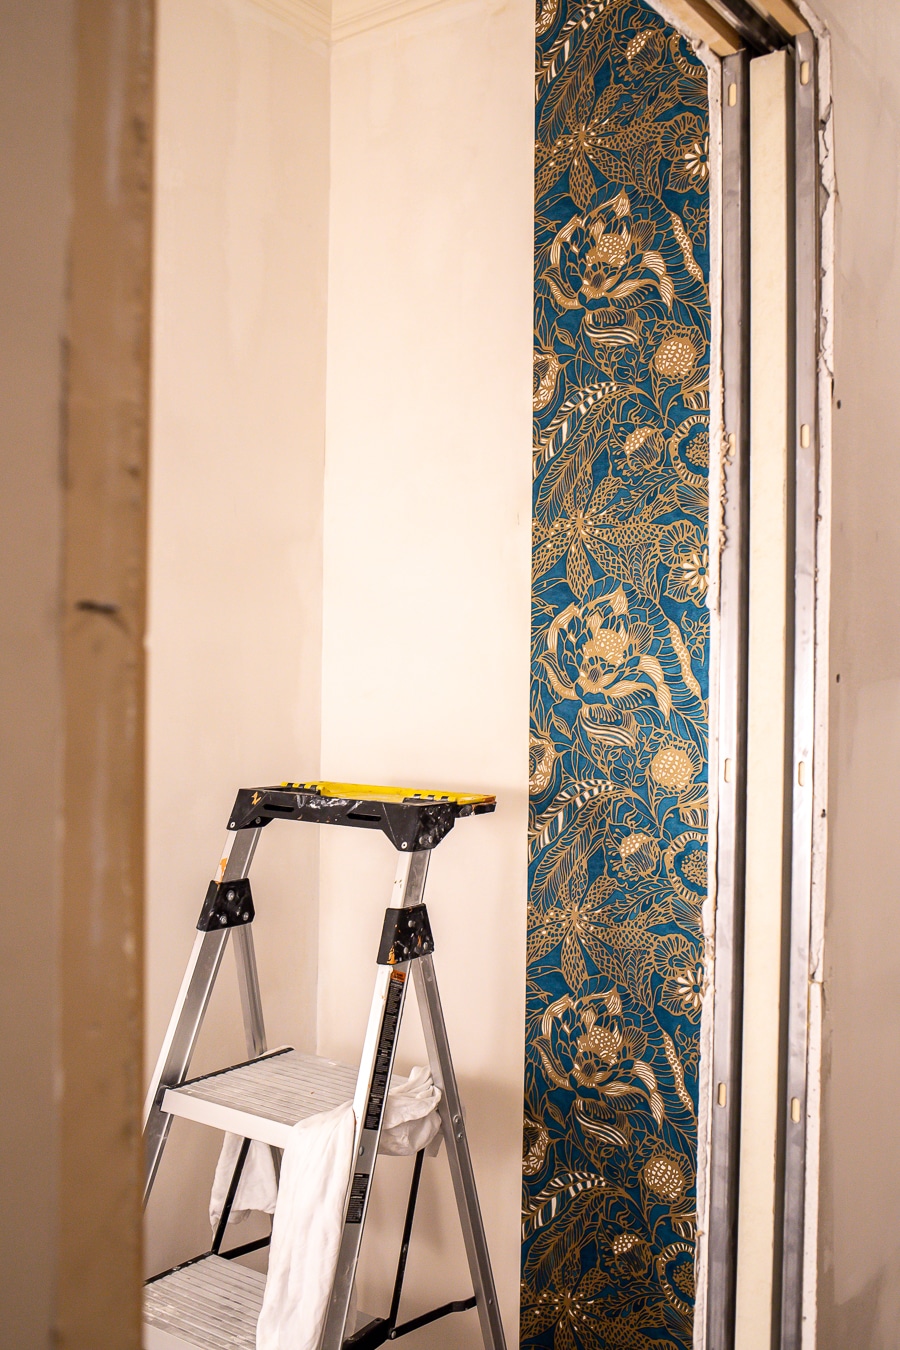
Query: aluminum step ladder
{"type": "Point", "coordinates": [212, 1302]}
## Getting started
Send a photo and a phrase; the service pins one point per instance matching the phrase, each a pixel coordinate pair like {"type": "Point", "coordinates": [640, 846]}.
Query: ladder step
{"type": "Point", "coordinates": [212, 1303]}
{"type": "Point", "coordinates": [209, 1304]}
{"type": "Point", "coordinates": [264, 1098]}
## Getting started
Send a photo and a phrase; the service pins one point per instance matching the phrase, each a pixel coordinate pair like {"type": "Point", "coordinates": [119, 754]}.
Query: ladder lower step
{"type": "Point", "coordinates": [265, 1098]}
{"type": "Point", "coordinates": [210, 1304]}
{"type": "Point", "coordinates": [213, 1304]}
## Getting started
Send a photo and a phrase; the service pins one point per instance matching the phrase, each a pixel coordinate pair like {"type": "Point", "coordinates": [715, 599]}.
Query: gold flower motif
{"type": "Point", "coordinates": [595, 652]}
{"type": "Point", "coordinates": [644, 447]}
{"type": "Point", "coordinates": [691, 577]}
{"type": "Point", "coordinates": [697, 448]}
{"type": "Point", "coordinates": [694, 868]}
{"type": "Point", "coordinates": [687, 557]}
{"type": "Point", "coordinates": [696, 161]}
{"type": "Point", "coordinates": [683, 993]}
{"type": "Point", "coordinates": [606, 648]}
{"type": "Point", "coordinates": [683, 1279]}
{"type": "Point", "coordinates": [631, 1253]}
{"type": "Point", "coordinates": [609, 260]}
{"type": "Point", "coordinates": [644, 50]}
{"type": "Point", "coordinates": [602, 1042]}
{"type": "Point", "coordinates": [686, 864]}
{"type": "Point", "coordinates": [675, 765]}
{"type": "Point", "coordinates": [677, 355]}
{"type": "Point", "coordinates": [639, 854]}
{"type": "Point", "coordinates": [663, 1176]}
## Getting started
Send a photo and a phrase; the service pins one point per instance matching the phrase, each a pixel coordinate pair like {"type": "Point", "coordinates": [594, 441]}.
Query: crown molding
{"type": "Point", "coordinates": [310, 17]}
{"type": "Point", "coordinates": [350, 17]}
{"type": "Point", "coordinates": [322, 20]}
{"type": "Point", "coordinates": [332, 22]}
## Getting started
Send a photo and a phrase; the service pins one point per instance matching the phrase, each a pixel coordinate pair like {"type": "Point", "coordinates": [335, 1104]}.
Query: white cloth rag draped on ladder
{"type": "Point", "coordinates": [309, 1204]}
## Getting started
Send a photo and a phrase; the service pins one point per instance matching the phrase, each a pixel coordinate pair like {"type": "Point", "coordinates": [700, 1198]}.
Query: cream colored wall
{"type": "Point", "coordinates": [770, 171]}
{"type": "Point", "coordinates": [859, 1232]}
{"type": "Point", "coordinates": [425, 673]}
{"type": "Point", "coordinates": [235, 555]}
{"type": "Point", "coordinates": [36, 99]}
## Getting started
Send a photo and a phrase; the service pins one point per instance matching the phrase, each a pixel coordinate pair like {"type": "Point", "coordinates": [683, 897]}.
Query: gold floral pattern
{"type": "Point", "coordinates": [619, 734]}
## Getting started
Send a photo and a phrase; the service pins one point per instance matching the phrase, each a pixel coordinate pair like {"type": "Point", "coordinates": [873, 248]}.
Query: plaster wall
{"type": "Point", "coordinates": [36, 99]}
{"type": "Point", "coordinates": [859, 1237]}
{"type": "Point", "coordinates": [235, 548]}
{"type": "Point", "coordinates": [427, 570]}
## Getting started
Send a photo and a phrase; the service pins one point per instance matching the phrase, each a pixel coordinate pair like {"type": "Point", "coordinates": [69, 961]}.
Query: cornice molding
{"type": "Point", "coordinates": [311, 17]}
{"type": "Point", "coordinates": [350, 17]}
{"type": "Point", "coordinates": [327, 22]}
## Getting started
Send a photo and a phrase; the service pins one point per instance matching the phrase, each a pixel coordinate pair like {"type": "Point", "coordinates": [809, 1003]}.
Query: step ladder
{"type": "Point", "coordinates": [213, 1302]}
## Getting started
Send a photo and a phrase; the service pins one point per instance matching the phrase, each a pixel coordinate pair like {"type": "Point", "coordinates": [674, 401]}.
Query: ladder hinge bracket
{"type": "Point", "coordinates": [228, 904]}
{"type": "Point", "coordinates": [406, 935]}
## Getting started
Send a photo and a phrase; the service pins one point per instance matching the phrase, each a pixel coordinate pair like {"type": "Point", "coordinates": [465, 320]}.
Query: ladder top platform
{"type": "Point", "coordinates": [414, 819]}
{"type": "Point", "coordinates": [264, 1098]}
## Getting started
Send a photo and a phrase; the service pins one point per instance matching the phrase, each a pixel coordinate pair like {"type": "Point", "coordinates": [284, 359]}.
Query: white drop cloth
{"type": "Point", "coordinates": [411, 1119]}
{"type": "Point", "coordinates": [309, 1213]}
{"type": "Point", "coordinates": [411, 1122]}
{"type": "Point", "coordinates": [306, 1231]}
{"type": "Point", "coordinates": [257, 1188]}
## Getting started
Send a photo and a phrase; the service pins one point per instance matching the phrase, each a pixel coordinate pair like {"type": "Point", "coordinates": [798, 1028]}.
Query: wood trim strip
{"type": "Point", "coordinates": [707, 24]}
{"type": "Point", "coordinates": [784, 14]}
{"type": "Point", "coordinates": [104, 583]}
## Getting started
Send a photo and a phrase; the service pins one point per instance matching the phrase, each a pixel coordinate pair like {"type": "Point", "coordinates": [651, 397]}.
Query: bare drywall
{"type": "Point", "coordinates": [427, 570]}
{"type": "Point", "coordinates": [236, 507]}
{"type": "Point", "coordinates": [859, 1233]}
{"type": "Point", "coordinates": [36, 93]}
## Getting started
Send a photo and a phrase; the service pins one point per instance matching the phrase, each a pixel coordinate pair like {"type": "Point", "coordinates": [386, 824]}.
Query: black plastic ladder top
{"type": "Point", "coordinates": [413, 821]}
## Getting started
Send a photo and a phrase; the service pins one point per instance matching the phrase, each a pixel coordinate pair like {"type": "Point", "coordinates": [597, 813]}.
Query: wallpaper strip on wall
{"type": "Point", "coordinates": [620, 723]}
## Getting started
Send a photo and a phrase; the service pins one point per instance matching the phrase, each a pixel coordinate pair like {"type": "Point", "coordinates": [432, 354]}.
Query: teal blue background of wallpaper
{"type": "Point", "coordinates": [619, 735]}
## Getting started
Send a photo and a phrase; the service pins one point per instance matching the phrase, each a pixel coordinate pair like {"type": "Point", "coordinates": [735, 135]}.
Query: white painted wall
{"type": "Point", "coordinates": [235, 554]}
{"type": "Point", "coordinates": [859, 1233]}
{"type": "Point", "coordinates": [425, 675]}
{"type": "Point", "coordinates": [425, 667]}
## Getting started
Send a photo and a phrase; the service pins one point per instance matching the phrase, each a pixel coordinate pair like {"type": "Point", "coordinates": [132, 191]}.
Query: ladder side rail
{"type": "Point", "coordinates": [252, 1009]}
{"type": "Point", "coordinates": [248, 987]}
{"type": "Point", "coordinates": [387, 1007]}
{"type": "Point", "coordinates": [190, 1008]}
{"type": "Point", "coordinates": [391, 984]}
{"type": "Point", "coordinates": [178, 1046]}
{"type": "Point", "coordinates": [458, 1155]}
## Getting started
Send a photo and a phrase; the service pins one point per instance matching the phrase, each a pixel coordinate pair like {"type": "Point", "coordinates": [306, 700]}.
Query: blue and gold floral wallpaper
{"type": "Point", "coordinates": [619, 733]}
